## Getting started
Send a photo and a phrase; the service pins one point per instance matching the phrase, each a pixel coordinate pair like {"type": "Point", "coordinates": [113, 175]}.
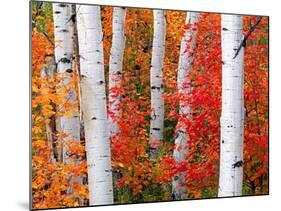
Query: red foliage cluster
{"type": "Point", "coordinates": [202, 160]}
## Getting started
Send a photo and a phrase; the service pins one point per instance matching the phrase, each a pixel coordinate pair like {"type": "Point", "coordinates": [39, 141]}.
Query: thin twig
{"type": "Point", "coordinates": [243, 43]}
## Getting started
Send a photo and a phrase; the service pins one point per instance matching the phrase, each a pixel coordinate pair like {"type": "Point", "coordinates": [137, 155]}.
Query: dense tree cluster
{"type": "Point", "coordinates": [132, 105]}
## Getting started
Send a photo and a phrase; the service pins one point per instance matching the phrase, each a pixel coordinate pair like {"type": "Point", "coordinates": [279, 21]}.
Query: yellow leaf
{"type": "Point", "coordinates": [36, 129]}
{"type": "Point", "coordinates": [68, 114]}
{"type": "Point", "coordinates": [121, 165]}
{"type": "Point", "coordinates": [197, 194]}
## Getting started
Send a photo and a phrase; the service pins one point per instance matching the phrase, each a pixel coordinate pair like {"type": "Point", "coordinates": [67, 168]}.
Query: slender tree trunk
{"type": "Point", "coordinates": [93, 99]}
{"type": "Point", "coordinates": [232, 117]}
{"type": "Point", "coordinates": [48, 72]}
{"type": "Point", "coordinates": [76, 64]}
{"type": "Point", "coordinates": [64, 55]}
{"type": "Point", "coordinates": [179, 190]}
{"type": "Point", "coordinates": [156, 81]}
{"type": "Point", "coordinates": [115, 67]}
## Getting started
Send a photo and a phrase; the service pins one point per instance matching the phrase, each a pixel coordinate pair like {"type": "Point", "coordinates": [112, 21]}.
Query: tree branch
{"type": "Point", "coordinates": [243, 43]}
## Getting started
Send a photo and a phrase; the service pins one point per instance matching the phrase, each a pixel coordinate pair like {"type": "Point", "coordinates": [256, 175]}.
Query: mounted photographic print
{"type": "Point", "coordinates": [134, 105]}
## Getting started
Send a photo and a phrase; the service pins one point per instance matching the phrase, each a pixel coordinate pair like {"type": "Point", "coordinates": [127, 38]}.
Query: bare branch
{"type": "Point", "coordinates": [243, 43]}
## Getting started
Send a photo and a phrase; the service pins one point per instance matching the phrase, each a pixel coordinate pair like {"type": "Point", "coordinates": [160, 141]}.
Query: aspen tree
{"type": "Point", "coordinates": [116, 66]}
{"type": "Point", "coordinates": [156, 80]}
{"type": "Point", "coordinates": [188, 42]}
{"type": "Point", "coordinates": [93, 99]}
{"type": "Point", "coordinates": [232, 116]}
{"type": "Point", "coordinates": [48, 72]}
{"type": "Point", "coordinates": [64, 60]}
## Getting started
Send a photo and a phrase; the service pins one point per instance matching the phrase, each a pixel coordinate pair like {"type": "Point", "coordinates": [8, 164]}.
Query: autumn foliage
{"type": "Point", "coordinates": [136, 176]}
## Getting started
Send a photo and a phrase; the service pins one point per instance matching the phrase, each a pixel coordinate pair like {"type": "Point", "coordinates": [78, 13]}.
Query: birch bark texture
{"type": "Point", "coordinates": [233, 112]}
{"type": "Point", "coordinates": [93, 99]}
{"type": "Point", "coordinates": [63, 33]}
{"type": "Point", "coordinates": [116, 67]}
{"type": "Point", "coordinates": [179, 190]}
{"type": "Point", "coordinates": [156, 80]}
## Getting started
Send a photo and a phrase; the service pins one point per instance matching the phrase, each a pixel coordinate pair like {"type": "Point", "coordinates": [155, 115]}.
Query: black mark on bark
{"type": "Point", "coordinates": [65, 60]}
{"type": "Point", "coordinates": [69, 71]}
{"type": "Point", "coordinates": [237, 164]}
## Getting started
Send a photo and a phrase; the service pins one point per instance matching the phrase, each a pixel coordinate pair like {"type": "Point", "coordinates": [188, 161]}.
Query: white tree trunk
{"type": "Point", "coordinates": [64, 60]}
{"type": "Point", "coordinates": [156, 80]}
{"type": "Point", "coordinates": [93, 99]}
{"type": "Point", "coordinates": [232, 117]}
{"type": "Point", "coordinates": [179, 191]}
{"type": "Point", "coordinates": [116, 66]}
